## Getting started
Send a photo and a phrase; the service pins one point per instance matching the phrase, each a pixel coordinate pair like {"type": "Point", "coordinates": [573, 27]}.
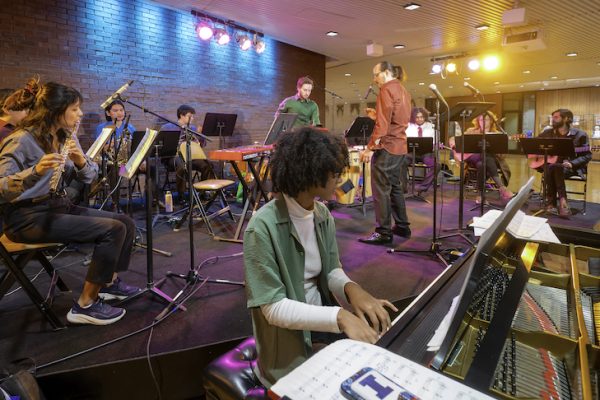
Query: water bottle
{"type": "Point", "coordinates": [168, 202]}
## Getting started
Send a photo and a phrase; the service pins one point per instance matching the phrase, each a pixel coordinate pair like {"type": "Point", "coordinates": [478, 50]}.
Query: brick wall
{"type": "Point", "coordinates": [96, 46]}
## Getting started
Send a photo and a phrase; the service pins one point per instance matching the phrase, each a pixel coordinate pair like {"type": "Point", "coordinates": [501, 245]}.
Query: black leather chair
{"type": "Point", "coordinates": [230, 376]}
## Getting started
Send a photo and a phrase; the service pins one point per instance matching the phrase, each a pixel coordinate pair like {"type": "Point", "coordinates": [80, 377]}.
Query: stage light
{"type": "Point", "coordinates": [259, 45]}
{"type": "Point", "coordinates": [221, 36]}
{"type": "Point", "coordinates": [473, 65]}
{"type": "Point", "coordinates": [244, 42]}
{"type": "Point", "coordinates": [436, 68]}
{"type": "Point", "coordinates": [451, 67]}
{"type": "Point", "coordinates": [491, 63]}
{"type": "Point", "coordinates": [204, 30]}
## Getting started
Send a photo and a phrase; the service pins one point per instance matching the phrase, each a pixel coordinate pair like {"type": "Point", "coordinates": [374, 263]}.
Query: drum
{"type": "Point", "coordinates": [346, 190]}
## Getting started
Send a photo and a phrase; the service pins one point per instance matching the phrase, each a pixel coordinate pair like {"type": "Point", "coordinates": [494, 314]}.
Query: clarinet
{"type": "Point", "coordinates": [57, 174]}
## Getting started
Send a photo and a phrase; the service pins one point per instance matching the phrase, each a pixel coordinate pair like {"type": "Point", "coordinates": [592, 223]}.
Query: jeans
{"type": "Point", "coordinates": [58, 221]}
{"type": "Point", "coordinates": [388, 193]}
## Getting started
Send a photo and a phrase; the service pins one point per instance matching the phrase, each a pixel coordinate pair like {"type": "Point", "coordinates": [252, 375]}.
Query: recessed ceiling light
{"type": "Point", "coordinates": [411, 6]}
{"type": "Point", "coordinates": [527, 71]}
{"type": "Point", "coordinates": [554, 77]}
{"type": "Point", "coordinates": [482, 27]}
{"type": "Point", "coordinates": [347, 74]}
{"type": "Point", "coordinates": [521, 85]}
{"type": "Point", "coordinates": [466, 78]}
{"type": "Point", "coordinates": [332, 33]}
{"type": "Point", "coordinates": [545, 83]}
{"type": "Point", "coordinates": [598, 63]}
{"type": "Point", "coordinates": [597, 84]}
{"type": "Point", "coordinates": [421, 83]}
{"type": "Point", "coordinates": [399, 46]}
{"type": "Point", "coordinates": [450, 87]}
{"type": "Point", "coordinates": [571, 54]}
{"type": "Point", "coordinates": [497, 91]}
{"type": "Point", "coordinates": [353, 83]}
{"type": "Point", "coordinates": [543, 89]}
{"type": "Point", "coordinates": [496, 83]}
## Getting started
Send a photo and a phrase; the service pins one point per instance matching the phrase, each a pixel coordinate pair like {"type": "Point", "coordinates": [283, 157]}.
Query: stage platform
{"type": "Point", "coordinates": [216, 318]}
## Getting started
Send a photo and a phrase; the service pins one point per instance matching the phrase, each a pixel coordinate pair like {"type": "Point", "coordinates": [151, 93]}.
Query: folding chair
{"type": "Point", "coordinates": [16, 256]}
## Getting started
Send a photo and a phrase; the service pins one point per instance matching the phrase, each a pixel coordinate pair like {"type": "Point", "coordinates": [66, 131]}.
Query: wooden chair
{"type": "Point", "coordinates": [15, 257]}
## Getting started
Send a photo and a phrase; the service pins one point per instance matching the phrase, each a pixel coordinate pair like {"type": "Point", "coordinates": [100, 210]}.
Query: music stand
{"type": "Point", "coordinates": [283, 122]}
{"type": "Point", "coordinates": [424, 145]}
{"type": "Point", "coordinates": [360, 130]}
{"type": "Point", "coordinates": [547, 147]}
{"type": "Point", "coordinates": [495, 143]}
{"type": "Point", "coordinates": [460, 112]}
{"type": "Point", "coordinates": [219, 125]}
{"type": "Point", "coordinates": [141, 153]}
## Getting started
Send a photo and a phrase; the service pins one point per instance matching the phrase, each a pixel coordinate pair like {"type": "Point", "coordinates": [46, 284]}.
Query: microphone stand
{"type": "Point", "coordinates": [434, 248]}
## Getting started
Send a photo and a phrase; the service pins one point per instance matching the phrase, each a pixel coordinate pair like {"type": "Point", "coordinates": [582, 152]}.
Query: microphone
{"type": "Point", "coordinates": [472, 88]}
{"type": "Point", "coordinates": [437, 93]}
{"type": "Point", "coordinates": [116, 94]}
{"type": "Point", "coordinates": [369, 91]}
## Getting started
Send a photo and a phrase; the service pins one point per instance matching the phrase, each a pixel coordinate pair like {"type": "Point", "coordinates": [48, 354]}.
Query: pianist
{"type": "Point", "coordinates": [291, 262]}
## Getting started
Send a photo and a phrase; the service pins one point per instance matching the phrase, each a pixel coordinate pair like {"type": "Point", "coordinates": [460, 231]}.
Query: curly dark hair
{"type": "Point", "coordinates": [305, 158]}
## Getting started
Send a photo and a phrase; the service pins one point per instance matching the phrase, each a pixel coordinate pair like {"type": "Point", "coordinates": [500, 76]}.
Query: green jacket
{"type": "Point", "coordinates": [274, 270]}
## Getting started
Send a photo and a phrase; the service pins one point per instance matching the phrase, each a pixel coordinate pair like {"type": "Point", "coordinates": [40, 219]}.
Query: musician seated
{"type": "Point", "coordinates": [29, 161]}
{"type": "Point", "coordinates": [419, 126]}
{"type": "Point", "coordinates": [185, 117]}
{"type": "Point", "coordinates": [563, 167]}
{"type": "Point", "coordinates": [291, 262]}
{"type": "Point", "coordinates": [483, 124]}
{"type": "Point", "coordinates": [15, 107]}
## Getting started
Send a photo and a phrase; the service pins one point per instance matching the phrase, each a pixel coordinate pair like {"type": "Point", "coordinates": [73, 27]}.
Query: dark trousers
{"type": "Point", "coordinates": [58, 221]}
{"type": "Point", "coordinates": [427, 181]}
{"type": "Point", "coordinates": [555, 181]}
{"type": "Point", "coordinates": [388, 193]}
{"type": "Point", "coordinates": [491, 170]}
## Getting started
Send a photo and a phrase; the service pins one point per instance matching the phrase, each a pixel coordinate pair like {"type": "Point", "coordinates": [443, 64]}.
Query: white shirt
{"type": "Point", "coordinates": [312, 315]}
{"type": "Point", "coordinates": [412, 130]}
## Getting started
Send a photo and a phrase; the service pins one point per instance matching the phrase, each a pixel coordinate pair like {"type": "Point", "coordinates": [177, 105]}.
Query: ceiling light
{"type": "Point", "coordinates": [244, 42]}
{"type": "Point", "coordinates": [527, 71]}
{"type": "Point", "coordinates": [473, 65]}
{"type": "Point", "coordinates": [554, 77]}
{"type": "Point", "coordinates": [491, 63]}
{"type": "Point", "coordinates": [421, 83]}
{"type": "Point", "coordinates": [399, 46]}
{"type": "Point", "coordinates": [497, 91]}
{"type": "Point", "coordinates": [436, 68]}
{"type": "Point", "coordinates": [221, 36]}
{"type": "Point", "coordinates": [450, 87]}
{"type": "Point", "coordinates": [332, 33]}
{"type": "Point", "coordinates": [466, 78]}
{"type": "Point", "coordinates": [571, 54]}
{"type": "Point", "coordinates": [496, 83]}
{"type": "Point", "coordinates": [451, 67]}
{"type": "Point", "coordinates": [482, 27]}
{"type": "Point", "coordinates": [347, 74]}
{"type": "Point", "coordinates": [259, 45]}
{"type": "Point", "coordinates": [204, 30]}
{"type": "Point", "coordinates": [521, 85]}
{"type": "Point", "coordinates": [411, 6]}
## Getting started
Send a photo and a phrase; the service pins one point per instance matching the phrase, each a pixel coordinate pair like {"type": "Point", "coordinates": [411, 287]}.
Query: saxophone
{"type": "Point", "coordinates": [124, 147]}
{"type": "Point", "coordinates": [57, 174]}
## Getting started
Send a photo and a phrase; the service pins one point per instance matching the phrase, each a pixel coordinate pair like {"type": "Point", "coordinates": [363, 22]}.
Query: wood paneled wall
{"type": "Point", "coordinates": [581, 101]}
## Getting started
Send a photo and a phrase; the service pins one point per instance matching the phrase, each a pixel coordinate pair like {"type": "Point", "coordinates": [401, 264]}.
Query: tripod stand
{"type": "Point", "coordinates": [361, 128]}
{"type": "Point", "coordinates": [425, 146]}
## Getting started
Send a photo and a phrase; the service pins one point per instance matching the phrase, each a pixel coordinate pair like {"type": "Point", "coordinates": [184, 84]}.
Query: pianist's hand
{"type": "Point", "coordinates": [367, 306]}
{"type": "Point", "coordinates": [354, 328]}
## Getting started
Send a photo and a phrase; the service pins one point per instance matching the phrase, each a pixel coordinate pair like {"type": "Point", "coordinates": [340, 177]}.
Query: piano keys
{"type": "Point", "coordinates": [240, 153]}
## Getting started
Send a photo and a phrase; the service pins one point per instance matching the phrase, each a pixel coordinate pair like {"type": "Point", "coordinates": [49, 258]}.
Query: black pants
{"type": "Point", "coordinates": [491, 170]}
{"type": "Point", "coordinates": [58, 221]}
{"type": "Point", "coordinates": [427, 181]}
{"type": "Point", "coordinates": [203, 166]}
{"type": "Point", "coordinates": [388, 193]}
{"type": "Point", "coordinates": [555, 181]}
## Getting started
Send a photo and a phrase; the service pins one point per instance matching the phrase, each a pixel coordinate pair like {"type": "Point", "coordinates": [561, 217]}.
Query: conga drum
{"type": "Point", "coordinates": [346, 190]}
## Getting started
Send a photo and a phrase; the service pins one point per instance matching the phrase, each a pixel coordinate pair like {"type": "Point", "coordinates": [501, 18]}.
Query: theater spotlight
{"type": "Point", "coordinates": [436, 68]}
{"type": "Point", "coordinates": [221, 36]}
{"type": "Point", "coordinates": [491, 63]}
{"type": "Point", "coordinates": [204, 30]}
{"type": "Point", "coordinates": [259, 45]}
{"type": "Point", "coordinates": [244, 42]}
{"type": "Point", "coordinates": [473, 65]}
{"type": "Point", "coordinates": [451, 67]}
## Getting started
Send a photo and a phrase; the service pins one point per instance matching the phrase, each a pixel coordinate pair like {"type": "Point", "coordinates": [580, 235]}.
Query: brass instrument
{"type": "Point", "coordinates": [124, 148]}
{"type": "Point", "coordinates": [57, 174]}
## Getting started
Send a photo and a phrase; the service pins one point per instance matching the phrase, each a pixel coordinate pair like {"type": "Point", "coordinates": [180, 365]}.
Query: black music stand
{"type": "Point", "coordinates": [563, 147]}
{"type": "Point", "coordinates": [219, 125]}
{"type": "Point", "coordinates": [165, 145]}
{"type": "Point", "coordinates": [283, 122]}
{"type": "Point", "coordinates": [357, 135]}
{"type": "Point", "coordinates": [424, 145]}
{"type": "Point", "coordinates": [494, 143]}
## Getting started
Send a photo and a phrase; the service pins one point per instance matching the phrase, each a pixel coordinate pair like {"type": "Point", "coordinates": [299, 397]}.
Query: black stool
{"type": "Point", "coordinates": [230, 377]}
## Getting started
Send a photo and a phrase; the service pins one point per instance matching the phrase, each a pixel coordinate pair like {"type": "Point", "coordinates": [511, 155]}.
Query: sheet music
{"type": "Point", "coordinates": [99, 143]}
{"type": "Point", "coordinates": [522, 226]}
{"type": "Point", "coordinates": [440, 333]}
{"type": "Point", "coordinates": [320, 377]}
{"type": "Point", "coordinates": [139, 155]}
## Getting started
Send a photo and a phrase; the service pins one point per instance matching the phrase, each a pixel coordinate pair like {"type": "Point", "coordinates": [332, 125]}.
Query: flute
{"type": "Point", "coordinates": [57, 174]}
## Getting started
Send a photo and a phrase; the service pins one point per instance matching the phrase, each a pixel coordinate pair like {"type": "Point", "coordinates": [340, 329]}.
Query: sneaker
{"type": "Point", "coordinates": [99, 313]}
{"type": "Point", "coordinates": [118, 290]}
{"type": "Point", "coordinates": [377, 238]}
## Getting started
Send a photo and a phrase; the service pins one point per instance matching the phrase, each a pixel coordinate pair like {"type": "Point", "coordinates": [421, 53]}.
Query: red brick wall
{"type": "Point", "coordinates": [96, 46]}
